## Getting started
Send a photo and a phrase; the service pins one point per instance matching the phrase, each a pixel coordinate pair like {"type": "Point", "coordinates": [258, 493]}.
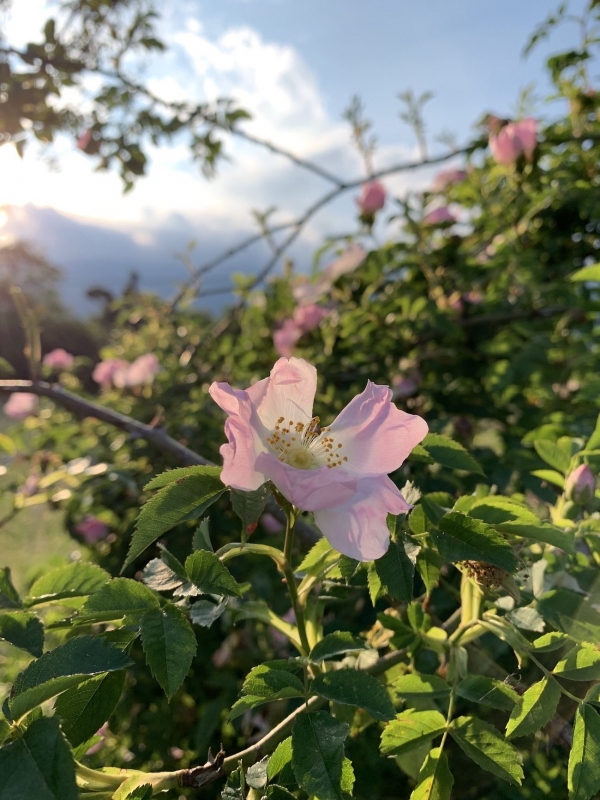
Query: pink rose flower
{"type": "Point", "coordinates": [307, 293]}
{"type": "Point", "coordinates": [92, 529]}
{"type": "Point", "coordinates": [20, 405]}
{"type": "Point", "coordinates": [447, 177]}
{"type": "Point", "coordinates": [580, 485]}
{"type": "Point", "coordinates": [514, 139]}
{"type": "Point", "coordinates": [439, 216]}
{"type": "Point", "coordinates": [286, 338]}
{"type": "Point", "coordinates": [105, 370]}
{"type": "Point", "coordinates": [59, 359]}
{"type": "Point", "coordinates": [338, 472]}
{"type": "Point", "coordinates": [141, 371]}
{"type": "Point", "coordinates": [309, 317]}
{"type": "Point", "coordinates": [371, 198]}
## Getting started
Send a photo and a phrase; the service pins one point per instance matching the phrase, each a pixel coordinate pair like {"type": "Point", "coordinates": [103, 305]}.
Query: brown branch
{"type": "Point", "coordinates": [157, 437]}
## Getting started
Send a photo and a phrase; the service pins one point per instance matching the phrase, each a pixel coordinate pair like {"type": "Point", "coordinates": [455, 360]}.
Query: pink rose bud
{"type": "Point", "coordinates": [59, 359]}
{"type": "Point", "coordinates": [104, 372]}
{"type": "Point", "coordinates": [439, 216]}
{"type": "Point", "coordinates": [447, 177]}
{"type": "Point", "coordinates": [514, 139]}
{"type": "Point", "coordinates": [20, 405]}
{"type": "Point", "coordinates": [92, 529]}
{"type": "Point", "coordinates": [286, 338]}
{"type": "Point", "coordinates": [580, 484]}
{"type": "Point", "coordinates": [309, 317]}
{"type": "Point", "coordinates": [371, 198]}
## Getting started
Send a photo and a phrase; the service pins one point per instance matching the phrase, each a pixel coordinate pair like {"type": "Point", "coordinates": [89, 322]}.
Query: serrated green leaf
{"type": "Point", "coordinates": [320, 557]}
{"type": "Point", "coordinates": [488, 691]}
{"type": "Point", "coordinates": [553, 640]}
{"type": "Point", "coordinates": [9, 597]}
{"type": "Point", "coordinates": [448, 453]}
{"type": "Point", "coordinates": [74, 580]}
{"type": "Point", "coordinates": [24, 630]}
{"type": "Point", "coordinates": [256, 775]}
{"type": "Point", "coordinates": [318, 754]}
{"type": "Point", "coordinates": [550, 476]}
{"type": "Point", "coordinates": [465, 539]}
{"type": "Point", "coordinates": [429, 564]}
{"type": "Point", "coordinates": [245, 703]}
{"type": "Point", "coordinates": [204, 613]}
{"type": "Point", "coordinates": [582, 663]}
{"type": "Point", "coordinates": [143, 792]}
{"type": "Point", "coordinates": [410, 730]}
{"type": "Point", "coordinates": [250, 505]}
{"type": "Point", "coordinates": [335, 644]}
{"type": "Point", "coordinates": [160, 577]}
{"type": "Point", "coordinates": [589, 273]}
{"type": "Point", "coordinates": [355, 687]}
{"type": "Point", "coordinates": [275, 792]}
{"type": "Point", "coordinates": [419, 685]}
{"type": "Point", "coordinates": [282, 755]}
{"type": "Point", "coordinates": [206, 572]}
{"type": "Point", "coordinates": [432, 509]}
{"type": "Point", "coordinates": [396, 570]}
{"type": "Point", "coordinates": [86, 707]}
{"type": "Point", "coordinates": [553, 454]}
{"type": "Point", "coordinates": [201, 539]}
{"type": "Point", "coordinates": [570, 613]}
{"type": "Point", "coordinates": [170, 644]}
{"type": "Point", "coordinates": [62, 668]}
{"type": "Point", "coordinates": [583, 775]}
{"type": "Point", "coordinates": [39, 765]}
{"type": "Point", "coordinates": [435, 780]}
{"type": "Point", "coordinates": [273, 682]}
{"type": "Point", "coordinates": [118, 598]}
{"type": "Point", "coordinates": [527, 618]}
{"type": "Point", "coordinates": [535, 709]}
{"type": "Point", "coordinates": [374, 583]}
{"type": "Point", "coordinates": [171, 475]}
{"type": "Point", "coordinates": [193, 492]}
{"type": "Point", "coordinates": [482, 743]}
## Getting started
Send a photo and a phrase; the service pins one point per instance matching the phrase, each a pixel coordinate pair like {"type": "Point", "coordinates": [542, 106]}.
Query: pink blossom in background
{"type": "Point", "coordinates": [103, 732]}
{"type": "Point", "coordinates": [141, 371]}
{"type": "Point", "coordinates": [447, 177]}
{"type": "Point", "coordinates": [84, 140]}
{"type": "Point", "coordinates": [286, 338]}
{"type": "Point", "coordinates": [20, 405]}
{"type": "Point", "coordinates": [580, 484]}
{"type": "Point", "coordinates": [270, 524]}
{"type": "Point", "coordinates": [371, 198]}
{"type": "Point", "coordinates": [105, 370]}
{"type": "Point", "coordinates": [514, 139]}
{"type": "Point", "coordinates": [59, 359]}
{"type": "Point", "coordinates": [92, 529]}
{"type": "Point", "coordinates": [473, 298]}
{"type": "Point", "coordinates": [438, 216]}
{"type": "Point", "coordinates": [307, 293]}
{"type": "Point", "coordinates": [309, 317]}
{"type": "Point", "coordinates": [338, 472]}
{"type": "Point", "coordinates": [404, 386]}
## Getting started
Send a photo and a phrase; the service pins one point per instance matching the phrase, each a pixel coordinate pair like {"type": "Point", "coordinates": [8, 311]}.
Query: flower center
{"type": "Point", "coordinates": [305, 446]}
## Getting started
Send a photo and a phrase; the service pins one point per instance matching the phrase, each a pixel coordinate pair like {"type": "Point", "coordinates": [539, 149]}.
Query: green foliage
{"type": "Point", "coordinates": [410, 730]}
{"type": "Point", "coordinates": [84, 708]}
{"type": "Point", "coordinates": [355, 688]}
{"type": "Point", "coordinates": [318, 754]}
{"type": "Point", "coordinates": [169, 644]}
{"type": "Point", "coordinates": [435, 779]}
{"type": "Point", "coordinates": [462, 538]}
{"type": "Point", "coordinates": [210, 576]}
{"type": "Point", "coordinates": [23, 630]}
{"type": "Point", "coordinates": [335, 644]}
{"type": "Point", "coordinates": [535, 709]}
{"type": "Point", "coordinates": [74, 580]}
{"type": "Point", "coordinates": [584, 778]}
{"type": "Point", "coordinates": [487, 748]}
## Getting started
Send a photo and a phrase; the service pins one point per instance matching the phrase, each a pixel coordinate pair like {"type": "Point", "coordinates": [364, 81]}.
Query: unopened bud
{"type": "Point", "coordinates": [580, 485]}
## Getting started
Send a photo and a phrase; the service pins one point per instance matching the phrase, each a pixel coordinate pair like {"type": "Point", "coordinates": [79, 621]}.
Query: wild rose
{"type": "Point", "coordinates": [439, 216]}
{"type": "Point", "coordinates": [286, 338]}
{"type": "Point", "coordinates": [447, 177]}
{"type": "Point", "coordinates": [371, 198]}
{"type": "Point", "coordinates": [141, 371]}
{"type": "Point", "coordinates": [92, 529]}
{"type": "Point", "coordinates": [105, 370]}
{"type": "Point", "coordinates": [514, 139]}
{"type": "Point", "coordinates": [20, 405]}
{"type": "Point", "coordinates": [58, 359]}
{"type": "Point", "coordinates": [338, 472]}
{"type": "Point", "coordinates": [580, 484]}
{"type": "Point", "coordinates": [306, 293]}
{"type": "Point", "coordinates": [309, 317]}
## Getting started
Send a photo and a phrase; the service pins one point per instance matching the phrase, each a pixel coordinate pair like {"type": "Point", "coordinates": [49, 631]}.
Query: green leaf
{"type": "Point", "coordinates": [39, 765]}
{"type": "Point", "coordinates": [204, 613]}
{"type": "Point", "coordinates": [319, 558]}
{"type": "Point", "coordinates": [580, 664]}
{"type": "Point", "coordinates": [535, 709]}
{"type": "Point", "coordinates": [435, 780]}
{"type": "Point", "coordinates": [549, 642]}
{"type": "Point", "coordinates": [396, 570]}
{"type": "Point", "coordinates": [273, 681]}
{"type": "Point", "coordinates": [85, 708]}
{"type": "Point", "coordinates": [24, 630]}
{"type": "Point", "coordinates": [201, 540]}
{"type": "Point", "coordinates": [434, 511]}
{"type": "Point", "coordinates": [160, 577]}
{"type": "Point", "coordinates": [488, 691]}
{"type": "Point", "coordinates": [448, 453]}
{"type": "Point", "coordinates": [210, 576]}
{"type": "Point", "coordinates": [143, 792]}
{"type": "Point", "coordinates": [429, 565]}
{"type": "Point", "coordinates": [487, 748]}
{"type": "Point", "coordinates": [74, 580]}
{"type": "Point", "coordinates": [570, 613]}
{"type": "Point", "coordinates": [250, 505]}
{"type": "Point", "coordinates": [374, 583]}
{"type": "Point", "coordinates": [410, 730]}
{"type": "Point", "coordinates": [550, 476]}
{"type": "Point", "coordinates": [62, 668]}
{"type": "Point", "coordinates": [527, 618]}
{"type": "Point", "coordinates": [348, 567]}
{"type": "Point", "coordinates": [9, 597]}
{"type": "Point", "coordinates": [465, 539]}
{"type": "Point", "coordinates": [593, 442]}
{"type": "Point", "coordinates": [193, 492]}
{"type": "Point", "coordinates": [336, 644]}
{"type": "Point", "coordinates": [589, 273]}
{"type": "Point", "coordinates": [354, 687]}
{"type": "Point", "coordinates": [256, 775]}
{"type": "Point", "coordinates": [347, 782]}
{"type": "Point", "coordinates": [169, 643]}
{"type": "Point", "coordinates": [583, 775]}
{"type": "Point", "coordinates": [282, 755]}
{"type": "Point", "coordinates": [553, 454]}
{"type": "Point", "coordinates": [417, 686]}
{"type": "Point", "coordinates": [275, 792]}
{"type": "Point", "coordinates": [318, 754]}
{"type": "Point", "coordinates": [118, 598]}
{"type": "Point", "coordinates": [171, 475]}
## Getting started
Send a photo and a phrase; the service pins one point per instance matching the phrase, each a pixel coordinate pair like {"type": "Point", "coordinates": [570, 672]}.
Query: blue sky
{"type": "Point", "coordinates": [294, 66]}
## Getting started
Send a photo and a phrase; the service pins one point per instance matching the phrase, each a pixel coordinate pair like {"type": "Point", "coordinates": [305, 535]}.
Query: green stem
{"type": "Point", "coordinates": [235, 549]}
{"type": "Point", "coordinates": [290, 578]}
{"type": "Point", "coordinates": [95, 779]}
{"type": "Point", "coordinates": [550, 674]}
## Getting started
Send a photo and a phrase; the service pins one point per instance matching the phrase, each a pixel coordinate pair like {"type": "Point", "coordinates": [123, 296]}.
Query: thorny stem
{"type": "Point", "coordinates": [290, 579]}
